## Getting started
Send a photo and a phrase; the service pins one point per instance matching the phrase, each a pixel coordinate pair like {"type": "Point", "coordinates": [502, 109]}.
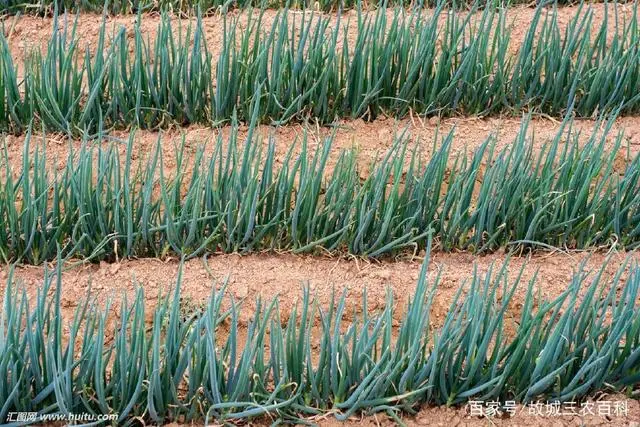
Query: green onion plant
{"type": "Point", "coordinates": [194, 366]}
{"type": "Point", "coordinates": [575, 192]}
{"type": "Point", "coordinates": [305, 65]}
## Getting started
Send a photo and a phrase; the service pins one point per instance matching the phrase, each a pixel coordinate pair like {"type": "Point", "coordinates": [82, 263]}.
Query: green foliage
{"type": "Point", "coordinates": [188, 366]}
{"type": "Point", "coordinates": [238, 198]}
{"type": "Point", "coordinates": [48, 7]}
{"type": "Point", "coordinates": [304, 66]}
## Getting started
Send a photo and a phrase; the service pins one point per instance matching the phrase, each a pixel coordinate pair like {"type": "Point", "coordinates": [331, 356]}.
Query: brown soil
{"type": "Point", "coordinates": [371, 140]}
{"type": "Point", "coordinates": [28, 32]}
{"type": "Point", "coordinates": [284, 275]}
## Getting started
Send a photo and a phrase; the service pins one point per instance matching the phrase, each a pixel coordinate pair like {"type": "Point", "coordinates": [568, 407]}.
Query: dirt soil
{"type": "Point", "coordinates": [371, 140]}
{"type": "Point", "coordinates": [28, 32]}
{"type": "Point", "coordinates": [284, 275]}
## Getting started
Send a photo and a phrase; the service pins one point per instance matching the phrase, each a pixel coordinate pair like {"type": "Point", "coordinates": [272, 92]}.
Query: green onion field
{"type": "Point", "coordinates": [327, 213]}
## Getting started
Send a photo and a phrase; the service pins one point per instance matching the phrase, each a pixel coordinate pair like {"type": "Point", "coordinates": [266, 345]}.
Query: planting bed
{"type": "Point", "coordinates": [265, 275]}
{"type": "Point", "coordinates": [290, 66]}
{"type": "Point", "coordinates": [357, 248]}
{"type": "Point", "coordinates": [371, 140]}
{"type": "Point", "coordinates": [551, 277]}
